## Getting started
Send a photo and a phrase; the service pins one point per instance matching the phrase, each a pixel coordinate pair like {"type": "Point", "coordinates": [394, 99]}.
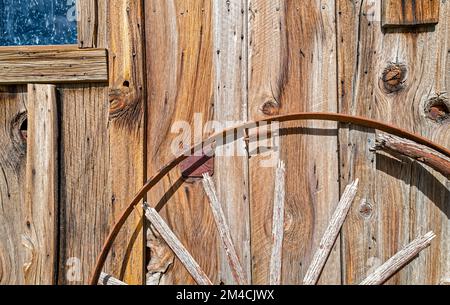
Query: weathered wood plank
{"type": "Point", "coordinates": [332, 232]}
{"type": "Point", "coordinates": [230, 104]}
{"type": "Point", "coordinates": [39, 237]}
{"type": "Point", "coordinates": [292, 67]}
{"type": "Point", "coordinates": [87, 23]}
{"type": "Point", "coordinates": [85, 175]}
{"type": "Point", "coordinates": [177, 247]}
{"type": "Point", "coordinates": [399, 260]}
{"type": "Point", "coordinates": [278, 225]}
{"type": "Point", "coordinates": [126, 131]}
{"type": "Point", "coordinates": [239, 276]}
{"type": "Point", "coordinates": [398, 199]}
{"type": "Point", "coordinates": [410, 12]}
{"type": "Point", "coordinates": [179, 46]}
{"type": "Point", "coordinates": [12, 177]}
{"type": "Point", "coordinates": [52, 64]}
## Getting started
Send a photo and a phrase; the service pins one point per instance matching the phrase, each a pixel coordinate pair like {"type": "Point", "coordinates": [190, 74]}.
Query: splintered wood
{"type": "Point", "coordinates": [278, 225]}
{"type": "Point", "coordinates": [224, 231]}
{"type": "Point", "coordinates": [108, 280]}
{"type": "Point", "coordinates": [332, 232]}
{"type": "Point", "coordinates": [177, 247]}
{"type": "Point", "coordinates": [399, 260]}
{"type": "Point", "coordinates": [415, 151]}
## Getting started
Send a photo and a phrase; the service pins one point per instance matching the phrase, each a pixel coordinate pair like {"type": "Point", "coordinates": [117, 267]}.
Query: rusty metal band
{"type": "Point", "coordinates": [321, 116]}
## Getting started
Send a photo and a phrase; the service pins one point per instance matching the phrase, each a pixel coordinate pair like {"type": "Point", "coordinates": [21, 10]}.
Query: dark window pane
{"type": "Point", "coordinates": [37, 22]}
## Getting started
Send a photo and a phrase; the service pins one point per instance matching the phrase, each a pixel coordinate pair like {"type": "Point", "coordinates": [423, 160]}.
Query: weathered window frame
{"type": "Point", "coordinates": [63, 63]}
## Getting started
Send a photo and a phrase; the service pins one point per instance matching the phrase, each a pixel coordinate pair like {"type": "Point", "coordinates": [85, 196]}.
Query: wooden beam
{"type": "Point", "coordinates": [399, 260]}
{"type": "Point", "coordinates": [87, 23]}
{"type": "Point", "coordinates": [410, 12]}
{"type": "Point", "coordinates": [331, 234]}
{"type": "Point", "coordinates": [224, 231]}
{"type": "Point", "coordinates": [52, 64]}
{"type": "Point", "coordinates": [40, 233]}
{"type": "Point", "coordinates": [108, 280]}
{"type": "Point", "coordinates": [177, 247]}
{"type": "Point", "coordinates": [278, 225]}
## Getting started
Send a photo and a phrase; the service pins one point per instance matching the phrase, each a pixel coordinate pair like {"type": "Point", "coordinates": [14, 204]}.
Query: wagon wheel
{"type": "Point", "coordinates": [381, 275]}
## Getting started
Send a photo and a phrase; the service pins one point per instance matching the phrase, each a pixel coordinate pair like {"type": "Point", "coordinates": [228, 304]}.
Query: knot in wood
{"type": "Point", "coordinates": [270, 108]}
{"type": "Point", "coordinates": [438, 109]}
{"type": "Point", "coordinates": [394, 77]}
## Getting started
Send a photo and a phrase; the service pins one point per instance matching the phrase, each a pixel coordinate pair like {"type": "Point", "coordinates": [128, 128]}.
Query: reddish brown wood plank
{"type": "Point", "coordinates": [410, 12]}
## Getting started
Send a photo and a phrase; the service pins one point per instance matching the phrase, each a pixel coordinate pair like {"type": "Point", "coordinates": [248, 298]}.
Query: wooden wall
{"type": "Point", "coordinates": [233, 60]}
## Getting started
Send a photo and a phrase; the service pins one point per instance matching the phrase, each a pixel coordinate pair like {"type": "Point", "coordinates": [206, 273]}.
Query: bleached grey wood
{"type": "Point", "coordinates": [278, 225]}
{"type": "Point", "coordinates": [329, 238]}
{"type": "Point", "coordinates": [224, 231]}
{"type": "Point", "coordinates": [399, 260]}
{"type": "Point", "coordinates": [108, 280]}
{"type": "Point", "coordinates": [177, 247]}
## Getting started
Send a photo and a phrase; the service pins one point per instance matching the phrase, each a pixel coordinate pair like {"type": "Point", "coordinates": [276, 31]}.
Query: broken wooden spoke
{"type": "Point", "coordinates": [410, 149]}
{"type": "Point", "coordinates": [177, 247]}
{"type": "Point", "coordinates": [224, 231]}
{"type": "Point", "coordinates": [278, 226]}
{"type": "Point", "coordinates": [108, 280]}
{"type": "Point", "coordinates": [399, 260]}
{"type": "Point", "coordinates": [326, 244]}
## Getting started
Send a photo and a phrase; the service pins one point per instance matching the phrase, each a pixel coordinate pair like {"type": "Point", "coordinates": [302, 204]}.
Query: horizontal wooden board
{"type": "Point", "coordinates": [52, 64]}
{"type": "Point", "coordinates": [410, 12]}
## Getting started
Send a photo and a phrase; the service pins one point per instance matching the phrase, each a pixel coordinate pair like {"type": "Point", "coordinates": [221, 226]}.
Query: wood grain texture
{"type": "Point", "coordinates": [410, 12]}
{"type": "Point", "coordinates": [179, 46]}
{"type": "Point", "coordinates": [87, 23]}
{"type": "Point", "coordinates": [239, 277]}
{"type": "Point", "coordinates": [126, 130]}
{"type": "Point", "coordinates": [89, 202]}
{"type": "Point", "coordinates": [52, 64]}
{"type": "Point", "coordinates": [398, 199]}
{"type": "Point", "coordinates": [39, 237]}
{"type": "Point", "coordinates": [276, 258]}
{"type": "Point", "coordinates": [399, 260]}
{"type": "Point", "coordinates": [12, 177]}
{"type": "Point", "coordinates": [177, 247]}
{"type": "Point", "coordinates": [293, 66]}
{"type": "Point", "coordinates": [329, 238]}
{"type": "Point", "coordinates": [230, 104]}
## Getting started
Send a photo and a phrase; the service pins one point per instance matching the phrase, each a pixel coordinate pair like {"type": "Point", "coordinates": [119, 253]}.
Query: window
{"type": "Point", "coordinates": [37, 22]}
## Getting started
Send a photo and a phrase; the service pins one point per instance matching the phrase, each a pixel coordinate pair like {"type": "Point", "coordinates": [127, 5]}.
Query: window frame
{"type": "Point", "coordinates": [82, 62]}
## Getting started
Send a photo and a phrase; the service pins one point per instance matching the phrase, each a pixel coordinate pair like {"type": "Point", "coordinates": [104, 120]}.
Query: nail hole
{"type": "Point", "coordinates": [126, 84]}
{"type": "Point", "coordinates": [438, 110]}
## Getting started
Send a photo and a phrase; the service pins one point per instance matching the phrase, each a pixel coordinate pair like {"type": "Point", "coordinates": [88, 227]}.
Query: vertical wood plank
{"type": "Point", "coordinates": [87, 23]}
{"type": "Point", "coordinates": [230, 105]}
{"type": "Point", "coordinates": [12, 176]}
{"type": "Point", "coordinates": [293, 68]}
{"type": "Point", "coordinates": [410, 12]}
{"type": "Point", "coordinates": [180, 84]}
{"type": "Point", "coordinates": [41, 202]}
{"type": "Point", "coordinates": [398, 199]}
{"type": "Point", "coordinates": [101, 151]}
{"type": "Point", "coordinates": [127, 121]}
{"type": "Point", "coordinates": [86, 197]}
